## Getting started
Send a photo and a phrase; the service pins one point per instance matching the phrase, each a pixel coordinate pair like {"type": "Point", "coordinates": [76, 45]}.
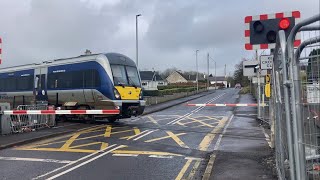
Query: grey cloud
{"type": "Point", "coordinates": [170, 31]}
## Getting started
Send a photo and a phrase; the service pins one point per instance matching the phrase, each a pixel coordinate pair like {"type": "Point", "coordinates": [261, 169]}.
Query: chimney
{"type": "Point", "coordinates": [87, 52]}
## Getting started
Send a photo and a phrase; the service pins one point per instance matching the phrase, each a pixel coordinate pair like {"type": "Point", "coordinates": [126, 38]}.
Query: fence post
{"type": "Point", "coordinates": [5, 127]}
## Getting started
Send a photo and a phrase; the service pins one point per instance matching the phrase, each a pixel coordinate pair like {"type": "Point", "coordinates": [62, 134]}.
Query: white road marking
{"type": "Point", "coordinates": [84, 163]}
{"type": "Point", "coordinates": [267, 137]}
{"type": "Point", "coordinates": [144, 135]}
{"type": "Point", "coordinates": [194, 158]}
{"type": "Point", "coordinates": [216, 147]}
{"type": "Point", "coordinates": [161, 157]}
{"type": "Point", "coordinates": [35, 160]}
{"type": "Point", "coordinates": [74, 162]}
{"type": "Point", "coordinates": [126, 155]}
{"type": "Point", "coordinates": [194, 111]}
{"type": "Point", "coordinates": [137, 134]}
{"type": "Point", "coordinates": [246, 114]}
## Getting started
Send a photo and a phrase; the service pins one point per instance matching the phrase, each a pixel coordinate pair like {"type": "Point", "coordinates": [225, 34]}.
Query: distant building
{"type": "Point", "coordinates": [219, 80]}
{"type": "Point", "coordinates": [178, 77]}
{"type": "Point", "coordinates": [150, 80]}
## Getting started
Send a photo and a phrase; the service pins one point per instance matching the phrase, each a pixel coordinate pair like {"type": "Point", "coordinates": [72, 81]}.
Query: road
{"type": "Point", "coordinates": [175, 143]}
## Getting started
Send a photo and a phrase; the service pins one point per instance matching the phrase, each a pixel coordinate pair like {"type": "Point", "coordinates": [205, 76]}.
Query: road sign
{"type": "Point", "coordinates": [261, 31]}
{"type": "Point", "coordinates": [313, 93]}
{"type": "Point", "coordinates": [266, 62]}
{"type": "Point", "coordinates": [255, 80]}
{"type": "Point", "coordinates": [268, 79]}
{"type": "Point", "coordinates": [251, 68]}
{"type": "Point", "coordinates": [267, 90]}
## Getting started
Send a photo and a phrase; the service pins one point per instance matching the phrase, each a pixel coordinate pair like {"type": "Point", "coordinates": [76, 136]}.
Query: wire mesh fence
{"type": "Point", "coordinates": [308, 56]}
{"type": "Point", "coordinates": [31, 122]}
{"type": "Point", "coordinates": [295, 102]}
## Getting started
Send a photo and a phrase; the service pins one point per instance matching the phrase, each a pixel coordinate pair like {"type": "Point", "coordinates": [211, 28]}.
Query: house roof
{"type": "Point", "coordinates": [150, 76]}
{"type": "Point", "coordinates": [219, 78]}
{"type": "Point", "coordinates": [191, 77]}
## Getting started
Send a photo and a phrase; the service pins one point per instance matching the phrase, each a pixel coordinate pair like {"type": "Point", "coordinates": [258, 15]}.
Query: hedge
{"type": "Point", "coordinates": [169, 91]}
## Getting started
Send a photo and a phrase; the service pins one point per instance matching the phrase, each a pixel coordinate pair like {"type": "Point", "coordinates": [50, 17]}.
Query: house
{"type": "Point", "coordinates": [150, 80]}
{"type": "Point", "coordinates": [218, 80]}
{"type": "Point", "coordinates": [178, 77]}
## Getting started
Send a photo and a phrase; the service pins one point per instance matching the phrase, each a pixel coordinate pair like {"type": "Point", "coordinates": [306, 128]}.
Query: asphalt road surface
{"type": "Point", "coordinates": [175, 143]}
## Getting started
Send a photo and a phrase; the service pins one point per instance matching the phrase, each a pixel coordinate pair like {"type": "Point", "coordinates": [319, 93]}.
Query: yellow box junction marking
{"type": "Point", "coordinates": [184, 169]}
{"type": "Point", "coordinates": [67, 146]}
{"type": "Point", "coordinates": [108, 131]}
{"type": "Point", "coordinates": [203, 146]}
{"type": "Point", "coordinates": [172, 136]}
{"type": "Point", "coordinates": [199, 120]}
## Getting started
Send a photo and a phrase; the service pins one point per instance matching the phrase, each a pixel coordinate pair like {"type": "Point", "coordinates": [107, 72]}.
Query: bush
{"type": "Point", "coordinates": [151, 93]}
{"type": "Point", "coordinates": [169, 91]}
{"type": "Point", "coordinates": [245, 90]}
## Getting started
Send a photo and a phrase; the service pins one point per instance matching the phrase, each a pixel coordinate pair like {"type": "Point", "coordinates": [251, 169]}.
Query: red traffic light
{"type": "Point", "coordinates": [284, 23]}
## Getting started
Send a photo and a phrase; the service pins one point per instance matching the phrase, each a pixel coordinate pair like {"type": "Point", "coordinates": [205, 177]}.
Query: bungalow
{"type": "Point", "coordinates": [218, 80]}
{"type": "Point", "coordinates": [150, 80]}
{"type": "Point", "coordinates": [178, 77]}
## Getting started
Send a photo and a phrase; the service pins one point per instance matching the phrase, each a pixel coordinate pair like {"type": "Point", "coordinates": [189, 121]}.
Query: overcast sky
{"type": "Point", "coordinates": [169, 30]}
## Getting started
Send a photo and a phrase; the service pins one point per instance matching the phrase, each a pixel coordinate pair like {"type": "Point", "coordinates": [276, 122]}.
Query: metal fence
{"type": "Point", "coordinates": [295, 102]}
{"type": "Point", "coordinates": [29, 122]}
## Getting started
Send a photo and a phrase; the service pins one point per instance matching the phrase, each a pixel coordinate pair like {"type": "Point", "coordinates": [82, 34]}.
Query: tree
{"type": "Point", "coordinates": [313, 68]}
{"type": "Point", "coordinates": [167, 72]}
{"type": "Point", "coordinates": [238, 74]}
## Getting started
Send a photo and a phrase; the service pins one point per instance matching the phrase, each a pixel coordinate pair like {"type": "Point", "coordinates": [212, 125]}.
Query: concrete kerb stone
{"type": "Point", "coordinates": [38, 138]}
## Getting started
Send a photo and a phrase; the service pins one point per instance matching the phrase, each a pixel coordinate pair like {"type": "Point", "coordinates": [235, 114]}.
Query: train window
{"type": "Point", "coordinates": [74, 79]}
{"type": "Point", "coordinates": [10, 84]}
{"type": "Point", "coordinates": [77, 79]}
{"type": "Point", "coordinates": [91, 78]}
{"type": "Point", "coordinates": [24, 83]}
{"type": "Point", "coordinates": [133, 76]}
{"type": "Point", "coordinates": [119, 75]}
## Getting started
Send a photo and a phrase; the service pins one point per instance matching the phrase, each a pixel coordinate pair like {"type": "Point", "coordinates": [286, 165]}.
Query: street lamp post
{"type": "Point", "coordinates": [215, 73]}
{"type": "Point", "coordinates": [197, 70]}
{"type": "Point", "coordinates": [137, 61]}
{"type": "Point", "coordinates": [208, 84]}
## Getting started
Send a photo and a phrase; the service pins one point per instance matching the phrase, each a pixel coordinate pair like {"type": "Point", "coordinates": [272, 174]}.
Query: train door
{"type": "Point", "coordinates": [89, 77]}
{"type": "Point", "coordinates": [40, 84]}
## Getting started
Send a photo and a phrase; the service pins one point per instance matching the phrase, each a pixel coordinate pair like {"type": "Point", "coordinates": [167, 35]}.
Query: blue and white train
{"type": "Point", "coordinates": [94, 81]}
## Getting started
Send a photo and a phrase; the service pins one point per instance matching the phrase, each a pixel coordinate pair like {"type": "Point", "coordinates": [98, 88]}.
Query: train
{"type": "Point", "coordinates": [89, 81]}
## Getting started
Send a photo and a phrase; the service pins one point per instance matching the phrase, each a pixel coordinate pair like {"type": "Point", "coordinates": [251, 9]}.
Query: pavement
{"type": "Point", "coordinates": [179, 142]}
{"type": "Point", "coordinates": [244, 147]}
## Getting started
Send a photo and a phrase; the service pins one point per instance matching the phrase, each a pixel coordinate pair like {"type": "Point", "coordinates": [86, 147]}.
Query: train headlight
{"type": "Point", "coordinates": [116, 94]}
{"type": "Point", "coordinates": [141, 95]}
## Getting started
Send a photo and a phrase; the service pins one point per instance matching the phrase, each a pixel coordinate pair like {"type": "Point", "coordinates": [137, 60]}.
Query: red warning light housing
{"type": "Point", "coordinates": [284, 23]}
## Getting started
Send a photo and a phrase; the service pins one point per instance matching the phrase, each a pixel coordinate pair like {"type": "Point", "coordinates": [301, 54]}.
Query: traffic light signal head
{"type": "Point", "coordinates": [261, 31]}
{"type": "Point", "coordinates": [265, 31]}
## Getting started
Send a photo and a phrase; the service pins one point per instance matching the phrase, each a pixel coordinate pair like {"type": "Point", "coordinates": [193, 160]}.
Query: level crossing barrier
{"type": "Point", "coordinates": [295, 102]}
{"type": "Point", "coordinates": [227, 105]}
{"type": "Point", "coordinates": [28, 118]}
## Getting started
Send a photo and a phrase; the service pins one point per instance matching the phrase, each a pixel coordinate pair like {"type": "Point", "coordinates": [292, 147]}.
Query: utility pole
{"type": "Point", "coordinates": [259, 86]}
{"type": "Point", "coordinates": [197, 77]}
{"type": "Point", "coordinates": [137, 57]}
{"type": "Point", "coordinates": [208, 71]}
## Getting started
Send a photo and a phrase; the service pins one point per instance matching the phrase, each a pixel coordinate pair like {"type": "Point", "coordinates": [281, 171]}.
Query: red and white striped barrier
{"type": "Point", "coordinates": [227, 105]}
{"type": "Point", "coordinates": [48, 112]}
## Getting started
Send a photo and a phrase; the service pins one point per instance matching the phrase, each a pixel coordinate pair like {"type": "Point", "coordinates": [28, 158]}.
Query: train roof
{"type": "Point", "coordinates": [114, 58]}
